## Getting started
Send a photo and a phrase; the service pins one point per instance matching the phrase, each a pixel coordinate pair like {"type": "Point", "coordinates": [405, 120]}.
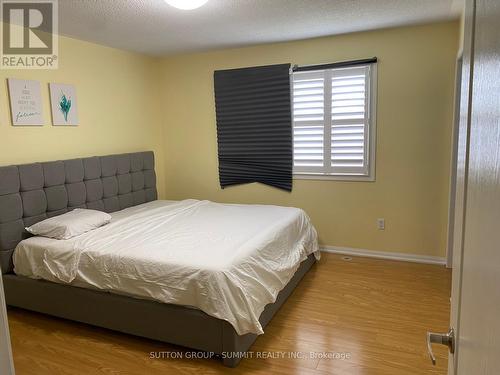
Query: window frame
{"type": "Point", "coordinates": [370, 139]}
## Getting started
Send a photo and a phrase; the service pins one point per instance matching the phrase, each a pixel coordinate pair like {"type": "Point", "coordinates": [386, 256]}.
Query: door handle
{"type": "Point", "coordinates": [447, 339]}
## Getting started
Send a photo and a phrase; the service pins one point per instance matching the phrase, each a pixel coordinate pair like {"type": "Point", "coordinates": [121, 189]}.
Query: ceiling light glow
{"type": "Point", "coordinates": [186, 4]}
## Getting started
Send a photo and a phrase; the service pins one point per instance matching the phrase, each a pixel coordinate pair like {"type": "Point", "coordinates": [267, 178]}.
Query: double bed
{"type": "Point", "coordinates": [199, 274]}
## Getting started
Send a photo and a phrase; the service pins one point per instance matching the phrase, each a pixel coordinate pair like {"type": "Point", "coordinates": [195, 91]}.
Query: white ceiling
{"type": "Point", "coordinates": [154, 27]}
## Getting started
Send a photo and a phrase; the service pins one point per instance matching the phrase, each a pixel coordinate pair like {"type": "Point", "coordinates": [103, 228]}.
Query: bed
{"type": "Point", "coordinates": [208, 276]}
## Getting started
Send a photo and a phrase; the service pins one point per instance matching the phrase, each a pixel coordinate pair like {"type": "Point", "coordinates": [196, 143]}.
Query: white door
{"type": "Point", "coordinates": [479, 318]}
{"type": "Point", "coordinates": [475, 302]}
{"type": "Point", "coordinates": [462, 166]}
{"type": "Point", "coordinates": [6, 366]}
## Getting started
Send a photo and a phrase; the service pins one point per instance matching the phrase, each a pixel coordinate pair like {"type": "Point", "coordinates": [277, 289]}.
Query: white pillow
{"type": "Point", "coordinates": [70, 224]}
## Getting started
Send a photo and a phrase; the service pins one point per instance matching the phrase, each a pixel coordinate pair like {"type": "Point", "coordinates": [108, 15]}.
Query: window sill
{"type": "Point", "coordinates": [333, 177]}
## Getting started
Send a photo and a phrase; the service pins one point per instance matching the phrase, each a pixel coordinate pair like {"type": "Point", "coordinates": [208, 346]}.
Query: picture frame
{"type": "Point", "coordinates": [64, 105]}
{"type": "Point", "coordinates": [26, 106]}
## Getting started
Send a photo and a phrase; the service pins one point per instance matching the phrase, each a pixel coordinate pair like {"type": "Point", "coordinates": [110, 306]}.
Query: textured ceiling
{"type": "Point", "coordinates": [153, 27]}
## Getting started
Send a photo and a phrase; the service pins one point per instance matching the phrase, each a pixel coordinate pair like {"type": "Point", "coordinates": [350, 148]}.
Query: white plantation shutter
{"type": "Point", "coordinates": [332, 121]}
{"type": "Point", "coordinates": [308, 120]}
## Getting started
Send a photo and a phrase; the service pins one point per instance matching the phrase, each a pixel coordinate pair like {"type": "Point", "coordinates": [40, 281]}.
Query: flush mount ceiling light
{"type": "Point", "coordinates": [186, 4]}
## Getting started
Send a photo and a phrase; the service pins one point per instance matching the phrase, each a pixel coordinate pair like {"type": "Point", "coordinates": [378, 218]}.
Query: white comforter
{"type": "Point", "coordinates": [227, 260]}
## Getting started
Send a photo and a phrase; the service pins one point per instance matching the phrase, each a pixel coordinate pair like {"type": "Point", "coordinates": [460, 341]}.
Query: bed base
{"type": "Point", "coordinates": [168, 323]}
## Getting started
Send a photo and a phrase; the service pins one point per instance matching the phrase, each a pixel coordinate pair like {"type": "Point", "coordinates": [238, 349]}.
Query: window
{"type": "Point", "coordinates": [334, 123]}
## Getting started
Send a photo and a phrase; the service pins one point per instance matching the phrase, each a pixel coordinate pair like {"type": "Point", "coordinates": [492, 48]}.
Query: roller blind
{"type": "Point", "coordinates": [254, 126]}
{"type": "Point", "coordinates": [331, 120]}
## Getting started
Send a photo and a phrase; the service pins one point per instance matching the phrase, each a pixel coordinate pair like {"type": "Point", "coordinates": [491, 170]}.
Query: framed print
{"type": "Point", "coordinates": [63, 104]}
{"type": "Point", "coordinates": [25, 102]}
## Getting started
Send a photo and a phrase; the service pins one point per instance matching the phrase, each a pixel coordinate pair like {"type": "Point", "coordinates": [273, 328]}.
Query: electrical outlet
{"type": "Point", "coordinates": [381, 224]}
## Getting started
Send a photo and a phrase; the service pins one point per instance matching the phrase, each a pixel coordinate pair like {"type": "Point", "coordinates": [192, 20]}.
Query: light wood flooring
{"type": "Point", "coordinates": [375, 311]}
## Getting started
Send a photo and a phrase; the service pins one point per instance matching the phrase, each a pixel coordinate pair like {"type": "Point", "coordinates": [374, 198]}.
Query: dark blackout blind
{"type": "Point", "coordinates": [254, 126]}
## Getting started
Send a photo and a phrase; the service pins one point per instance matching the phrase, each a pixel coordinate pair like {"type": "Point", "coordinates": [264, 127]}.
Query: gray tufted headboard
{"type": "Point", "coordinates": [30, 193]}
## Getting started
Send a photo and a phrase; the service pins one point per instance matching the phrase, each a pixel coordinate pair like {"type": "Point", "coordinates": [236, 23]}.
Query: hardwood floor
{"type": "Point", "coordinates": [375, 311]}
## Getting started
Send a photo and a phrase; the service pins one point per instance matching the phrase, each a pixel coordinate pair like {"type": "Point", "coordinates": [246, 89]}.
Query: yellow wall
{"type": "Point", "coordinates": [414, 122]}
{"type": "Point", "coordinates": [118, 107]}
{"type": "Point", "coordinates": [128, 102]}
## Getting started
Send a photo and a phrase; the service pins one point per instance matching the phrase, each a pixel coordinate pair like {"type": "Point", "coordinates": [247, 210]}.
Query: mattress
{"type": "Point", "coordinates": [227, 260]}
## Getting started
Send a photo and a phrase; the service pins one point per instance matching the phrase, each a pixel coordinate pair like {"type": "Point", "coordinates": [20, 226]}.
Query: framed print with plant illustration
{"type": "Point", "coordinates": [25, 102]}
{"type": "Point", "coordinates": [64, 105]}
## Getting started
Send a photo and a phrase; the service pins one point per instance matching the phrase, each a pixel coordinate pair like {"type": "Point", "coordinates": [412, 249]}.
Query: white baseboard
{"type": "Point", "coordinates": [384, 255]}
